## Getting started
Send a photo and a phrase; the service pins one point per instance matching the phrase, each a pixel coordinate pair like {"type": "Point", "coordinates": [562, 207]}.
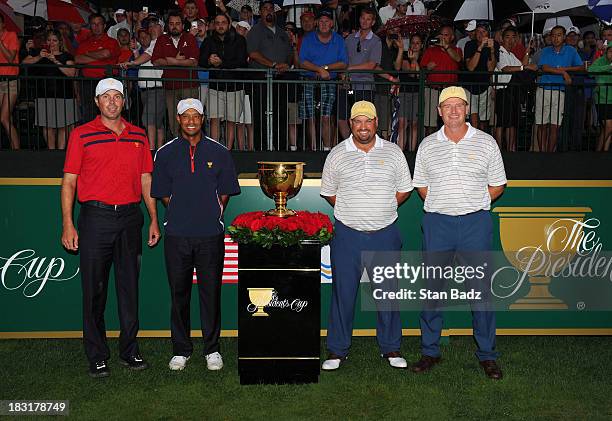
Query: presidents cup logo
{"type": "Point", "coordinates": [268, 297]}
{"type": "Point", "coordinates": [24, 270]}
{"type": "Point", "coordinates": [546, 243]}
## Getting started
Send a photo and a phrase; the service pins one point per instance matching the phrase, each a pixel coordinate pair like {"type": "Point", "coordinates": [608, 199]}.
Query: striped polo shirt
{"type": "Point", "coordinates": [457, 175]}
{"type": "Point", "coordinates": [365, 183]}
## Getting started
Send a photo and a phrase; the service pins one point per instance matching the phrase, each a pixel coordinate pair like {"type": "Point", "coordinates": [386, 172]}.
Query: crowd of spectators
{"type": "Point", "coordinates": [322, 59]}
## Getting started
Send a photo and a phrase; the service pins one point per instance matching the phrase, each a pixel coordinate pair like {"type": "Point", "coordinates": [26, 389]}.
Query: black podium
{"type": "Point", "coordinates": [279, 314]}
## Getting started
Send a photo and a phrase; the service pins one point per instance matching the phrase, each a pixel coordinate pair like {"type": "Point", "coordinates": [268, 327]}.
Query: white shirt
{"type": "Point", "coordinates": [461, 43]}
{"type": "Point", "coordinates": [365, 184]}
{"type": "Point", "coordinates": [386, 13]}
{"type": "Point", "coordinates": [457, 175]}
{"type": "Point", "coordinates": [112, 31]}
{"type": "Point", "coordinates": [144, 73]}
{"type": "Point", "coordinates": [416, 9]}
{"type": "Point", "coordinates": [506, 58]}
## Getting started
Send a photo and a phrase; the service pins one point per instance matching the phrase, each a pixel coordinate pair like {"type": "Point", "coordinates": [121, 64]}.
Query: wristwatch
{"type": "Point", "coordinates": [326, 67]}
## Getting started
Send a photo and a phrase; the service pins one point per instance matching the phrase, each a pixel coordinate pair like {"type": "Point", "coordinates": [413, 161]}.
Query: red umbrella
{"type": "Point", "coordinates": [53, 10]}
{"type": "Point", "coordinates": [10, 20]}
{"type": "Point", "coordinates": [410, 25]}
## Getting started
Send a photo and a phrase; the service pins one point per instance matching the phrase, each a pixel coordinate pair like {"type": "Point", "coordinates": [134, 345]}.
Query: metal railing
{"type": "Point", "coordinates": [267, 111]}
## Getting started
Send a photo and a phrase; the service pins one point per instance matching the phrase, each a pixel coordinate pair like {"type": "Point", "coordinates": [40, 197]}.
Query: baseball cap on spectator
{"type": "Point", "coordinates": [328, 13]}
{"type": "Point", "coordinates": [108, 84]}
{"type": "Point", "coordinates": [120, 12]}
{"type": "Point", "coordinates": [187, 104]}
{"type": "Point", "coordinates": [363, 108]}
{"type": "Point", "coordinates": [452, 92]}
{"type": "Point", "coordinates": [510, 21]}
{"type": "Point", "coordinates": [574, 30]}
{"type": "Point", "coordinates": [471, 26]}
{"type": "Point", "coordinates": [546, 31]}
{"type": "Point", "coordinates": [244, 24]}
{"type": "Point", "coordinates": [483, 24]}
{"type": "Point", "coordinates": [151, 19]}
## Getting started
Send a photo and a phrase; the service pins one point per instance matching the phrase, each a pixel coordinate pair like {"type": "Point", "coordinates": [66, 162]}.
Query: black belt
{"type": "Point", "coordinates": [116, 208]}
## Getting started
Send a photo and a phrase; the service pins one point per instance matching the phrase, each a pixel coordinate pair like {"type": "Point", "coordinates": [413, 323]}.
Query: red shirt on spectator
{"type": "Point", "coordinates": [444, 62]}
{"type": "Point", "coordinates": [95, 44]}
{"type": "Point", "coordinates": [82, 35]}
{"type": "Point", "coordinates": [109, 166]}
{"type": "Point", "coordinates": [124, 55]}
{"type": "Point", "coordinates": [519, 50]}
{"type": "Point", "coordinates": [9, 39]}
{"type": "Point", "coordinates": [188, 46]}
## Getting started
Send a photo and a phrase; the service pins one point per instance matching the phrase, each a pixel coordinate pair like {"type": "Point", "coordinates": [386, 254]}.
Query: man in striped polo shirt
{"type": "Point", "coordinates": [458, 172]}
{"type": "Point", "coordinates": [365, 179]}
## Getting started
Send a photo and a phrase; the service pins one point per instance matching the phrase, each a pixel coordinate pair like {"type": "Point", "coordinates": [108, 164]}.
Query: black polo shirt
{"type": "Point", "coordinates": [194, 178]}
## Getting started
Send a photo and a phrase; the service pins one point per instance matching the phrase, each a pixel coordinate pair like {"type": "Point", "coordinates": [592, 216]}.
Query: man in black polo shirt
{"type": "Point", "coordinates": [194, 176]}
{"type": "Point", "coordinates": [269, 47]}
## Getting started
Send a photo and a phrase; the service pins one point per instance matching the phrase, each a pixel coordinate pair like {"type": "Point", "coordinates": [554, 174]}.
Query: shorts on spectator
{"type": "Point", "coordinates": [246, 117]}
{"type": "Point", "coordinates": [507, 107]}
{"type": "Point", "coordinates": [226, 106]}
{"type": "Point", "coordinates": [604, 112]}
{"type": "Point", "coordinates": [409, 105]}
{"type": "Point", "coordinates": [55, 112]}
{"type": "Point", "coordinates": [292, 113]}
{"type": "Point", "coordinates": [481, 104]}
{"type": "Point", "coordinates": [549, 106]}
{"type": "Point", "coordinates": [153, 106]}
{"type": "Point", "coordinates": [307, 104]}
{"type": "Point", "coordinates": [346, 101]}
{"type": "Point", "coordinates": [204, 97]}
{"type": "Point", "coordinates": [383, 110]}
{"type": "Point", "coordinates": [431, 107]}
{"type": "Point", "coordinates": [8, 86]}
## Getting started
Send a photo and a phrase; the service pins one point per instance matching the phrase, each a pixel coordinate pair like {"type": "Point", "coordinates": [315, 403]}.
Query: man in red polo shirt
{"type": "Point", "coordinates": [97, 50]}
{"type": "Point", "coordinates": [109, 159]}
{"type": "Point", "coordinates": [441, 57]}
{"type": "Point", "coordinates": [178, 48]}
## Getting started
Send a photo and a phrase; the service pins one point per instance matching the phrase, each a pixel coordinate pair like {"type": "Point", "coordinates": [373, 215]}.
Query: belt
{"type": "Point", "coordinates": [116, 208]}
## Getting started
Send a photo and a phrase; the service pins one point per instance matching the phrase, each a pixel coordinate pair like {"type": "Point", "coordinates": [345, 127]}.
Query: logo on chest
{"type": "Point", "coordinates": [209, 164]}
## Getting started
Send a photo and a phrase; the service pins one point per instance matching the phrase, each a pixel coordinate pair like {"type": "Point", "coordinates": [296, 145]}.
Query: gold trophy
{"type": "Point", "coordinates": [533, 227]}
{"type": "Point", "coordinates": [260, 297]}
{"type": "Point", "coordinates": [280, 181]}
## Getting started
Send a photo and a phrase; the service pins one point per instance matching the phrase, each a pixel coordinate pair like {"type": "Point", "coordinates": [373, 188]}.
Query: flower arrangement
{"type": "Point", "coordinates": [266, 231]}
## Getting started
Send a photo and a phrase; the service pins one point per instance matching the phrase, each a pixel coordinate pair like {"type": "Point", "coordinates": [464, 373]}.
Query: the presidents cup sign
{"type": "Point", "coordinates": [26, 272]}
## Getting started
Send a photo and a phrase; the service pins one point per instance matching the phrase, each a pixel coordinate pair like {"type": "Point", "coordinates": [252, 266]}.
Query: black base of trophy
{"type": "Point", "coordinates": [279, 325]}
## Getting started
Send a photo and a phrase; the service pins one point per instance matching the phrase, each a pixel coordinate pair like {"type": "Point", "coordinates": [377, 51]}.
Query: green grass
{"type": "Point", "coordinates": [545, 378]}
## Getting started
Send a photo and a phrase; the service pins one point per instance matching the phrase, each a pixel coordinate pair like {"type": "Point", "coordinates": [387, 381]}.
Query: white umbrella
{"type": "Point", "coordinates": [254, 4]}
{"type": "Point", "coordinates": [564, 21]}
{"type": "Point", "coordinates": [287, 3]}
{"type": "Point", "coordinates": [475, 9]}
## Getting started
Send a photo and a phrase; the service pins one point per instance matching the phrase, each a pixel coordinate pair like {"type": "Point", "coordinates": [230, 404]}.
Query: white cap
{"type": "Point", "coordinates": [120, 12]}
{"type": "Point", "coordinates": [108, 84]}
{"type": "Point", "coordinates": [547, 31]}
{"type": "Point", "coordinates": [244, 24]}
{"type": "Point", "coordinates": [573, 29]}
{"type": "Point", "coordinates": [471, 25]}
{"type": "Point", "coordinates": [188, 103]}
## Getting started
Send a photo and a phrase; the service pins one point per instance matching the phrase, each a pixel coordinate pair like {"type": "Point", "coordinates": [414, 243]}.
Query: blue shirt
{"type": "Point", "coordinates": [195, 209]}
{"type": "Point", "coordinates": [321, 54]}
{"type": "Point", "coordinates": [566, 57]}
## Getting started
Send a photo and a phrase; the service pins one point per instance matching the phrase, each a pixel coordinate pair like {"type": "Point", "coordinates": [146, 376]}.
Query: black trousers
{"type": "Point", "coordinates": [108, 237]}
{"type": "Point", "coordinates": [206, 255]}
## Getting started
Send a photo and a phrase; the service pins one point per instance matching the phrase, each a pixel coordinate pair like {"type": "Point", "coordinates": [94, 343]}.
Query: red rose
{"type": "Point", "coordinates": [256, 224]}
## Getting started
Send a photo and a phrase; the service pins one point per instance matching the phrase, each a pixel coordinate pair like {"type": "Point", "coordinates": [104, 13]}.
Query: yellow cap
{"type": "Point", "coordinates": [364, 108]}
{"type": "Point", "coordinates": [452, 92]}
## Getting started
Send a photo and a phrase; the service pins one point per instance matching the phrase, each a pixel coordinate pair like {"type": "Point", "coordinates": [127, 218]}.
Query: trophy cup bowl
{"type": "Point", "coordinates": [280, 181]}
{"type": "Point", "coordinates": [532, 227]}
{"type": "Point", "coordinates": [260, 297]}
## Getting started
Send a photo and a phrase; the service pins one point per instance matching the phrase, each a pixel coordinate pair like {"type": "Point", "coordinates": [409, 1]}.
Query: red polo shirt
{"type": "Point", "coordinates": [443, 62]}
{"type": "Point", "coordinates": [100, 43]}
{"type": "Point", "coordinates": [109, 166]}
{"type": "Point", "coordinates": [188, 47]}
